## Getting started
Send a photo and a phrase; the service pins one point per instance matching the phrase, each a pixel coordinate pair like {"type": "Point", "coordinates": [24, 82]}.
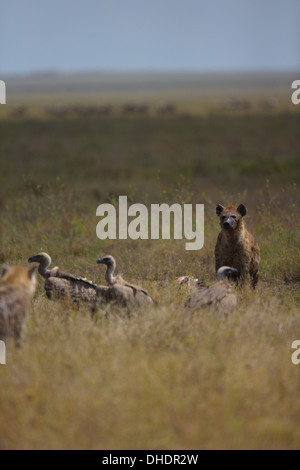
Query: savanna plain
{"type": "Point", "coordinates": [159, 379]}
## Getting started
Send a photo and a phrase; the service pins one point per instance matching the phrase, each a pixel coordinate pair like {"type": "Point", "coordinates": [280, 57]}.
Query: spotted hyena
{"type": "Point", "coordinates": [236, 247]}
{"type": "Point", "coordinates": [17, 286]}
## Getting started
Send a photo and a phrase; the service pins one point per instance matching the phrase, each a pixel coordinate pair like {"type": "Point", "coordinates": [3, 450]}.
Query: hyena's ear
{"type": "Point", "coordinates": [219, 209]}
{"type": "Point", "coordinates": [4, 269]}
{"type": "Point", "coordinates": [32, 272]}
{"type": "Point", "coordinates": [242, 210]}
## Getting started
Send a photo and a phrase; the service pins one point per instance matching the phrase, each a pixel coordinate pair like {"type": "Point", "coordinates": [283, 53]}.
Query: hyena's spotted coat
{"type": "Point", "coordinates": [236, 247]}
{"type": "Point", "coordinates": [17, 286]}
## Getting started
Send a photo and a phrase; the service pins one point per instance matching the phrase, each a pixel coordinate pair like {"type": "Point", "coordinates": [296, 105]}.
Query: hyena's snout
{"type": "Point", "coordinates": [228, 223]}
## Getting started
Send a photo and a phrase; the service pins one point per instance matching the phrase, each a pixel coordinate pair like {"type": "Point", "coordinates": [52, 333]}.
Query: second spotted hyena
{"type": "Point", "coordinates": [236, 247]}
{"type": "Point", "coordinates": [17, 286]}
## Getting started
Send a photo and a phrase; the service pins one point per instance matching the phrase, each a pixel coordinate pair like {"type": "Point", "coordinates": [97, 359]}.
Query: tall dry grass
{"type": "Point", "coordinates": [160, 379]}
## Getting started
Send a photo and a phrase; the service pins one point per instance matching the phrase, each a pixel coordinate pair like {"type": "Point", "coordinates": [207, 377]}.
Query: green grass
{"type": "Point", "coordinates": [158, 380]}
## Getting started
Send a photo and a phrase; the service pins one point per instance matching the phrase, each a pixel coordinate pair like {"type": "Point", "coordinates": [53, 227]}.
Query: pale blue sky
{"type": "Point", "coordinates": [179, 35]}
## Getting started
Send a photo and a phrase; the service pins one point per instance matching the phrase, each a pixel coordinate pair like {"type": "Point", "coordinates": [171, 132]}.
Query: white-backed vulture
{"type": "Point", "coordinates": [62, 285]}
{"type": "Point", "coordinates": [218, 296]}
{"type": "Point", "coordinates": [120, 290]}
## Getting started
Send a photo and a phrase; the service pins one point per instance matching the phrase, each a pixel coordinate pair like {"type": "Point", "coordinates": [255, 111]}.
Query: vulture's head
{"type": "Point", "coordinates": [108, 260]}
{"type": "Point", "coordinates": [226, 272]}
{"type": "Point", "coordinates": [41, 258]}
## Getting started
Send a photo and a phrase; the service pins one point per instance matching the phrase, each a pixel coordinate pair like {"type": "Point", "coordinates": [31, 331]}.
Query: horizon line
{"type": "Point", "coordinates": [57, 72]}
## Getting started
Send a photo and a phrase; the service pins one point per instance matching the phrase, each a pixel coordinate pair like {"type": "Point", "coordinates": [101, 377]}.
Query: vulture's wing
{"type": "Point", "coordinates": [76, 279]}
{"type": "Point", "coordinates": [73, 290]}
{"type": "Point", "coordinates": [136, 289]}
{"type": "Point", "coordinates": [206, 296]}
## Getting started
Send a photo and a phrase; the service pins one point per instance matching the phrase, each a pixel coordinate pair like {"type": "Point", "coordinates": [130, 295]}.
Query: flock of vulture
{"type": "Point", "coordinates": [122, 294]}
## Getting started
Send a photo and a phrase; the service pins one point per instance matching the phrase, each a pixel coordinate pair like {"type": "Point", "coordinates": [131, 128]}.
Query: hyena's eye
{"type": "Point", "coordinates": [233, 216]}
{"type": "Point", "coordinates": [223, 217]}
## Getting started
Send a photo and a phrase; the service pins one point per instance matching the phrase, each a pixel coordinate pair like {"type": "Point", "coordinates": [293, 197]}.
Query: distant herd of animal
{"type": "Point", "coordinates": [232, 104]}
{"type": "Point", "coordinates": [131, 108]}
{"type": "Point", "coordinates": [237, 259]}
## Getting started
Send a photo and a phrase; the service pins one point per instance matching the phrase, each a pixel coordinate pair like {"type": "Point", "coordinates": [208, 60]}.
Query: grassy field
{"type": "Point", "coordinates": [160, 379]}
